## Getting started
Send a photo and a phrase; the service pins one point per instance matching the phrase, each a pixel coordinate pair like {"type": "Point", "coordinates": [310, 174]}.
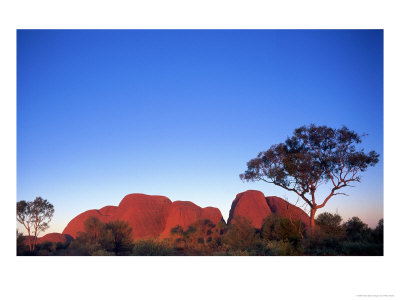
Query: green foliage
{"type": "Point", "coordinates": [281, 247]}
{"type": "Point", "coordinates": [118, 238]}
{"type": "Point", "coordinates": [320, 243]}
{"type": "Point", "coordinates": [280, 229]}
{"type": "Point", "coordinates": [356, 229]}
{"type": "Point", "coordinates": [42, 211]}
{"type": "Point", "coordinates": [94, 231]}
{"type": "Point", "coordinates": [198, 238]}
{"type": "Point", "coordinates": [314, 155]}
{"type": "Point", "coordinates": [177, 230]}
{"type": "Point", "coordinates": [114, 237]}
{"type": "Point", "coordinates": [35, 217]}
{"type": "Point", "coordinates": [152, 248]}
{"type": "Point", "coordinates": [359, 239]}
{"type": "Point", "coordinates": [378, 232]}
{"type": "Point", "coordinates": [190, 231]}
{"type": "Point", "coordinates": [362, 248]}
{"type": "Point", "coordinates": [22, 249]}
{"type": "Point", "coordinates": [102, 252]}
{"type": "Point", "coordinates": [330, 224]}
{"type": "Point", "coordinates": [79, 248]}
{"type": "Point", "coordinates": [47, 246]}
{"type": "Point", "coordinates": [240, 235]}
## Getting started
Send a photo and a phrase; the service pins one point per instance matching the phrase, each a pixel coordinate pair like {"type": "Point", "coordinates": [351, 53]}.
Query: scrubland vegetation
{"type": "Point", "coordinates": [278, 236]}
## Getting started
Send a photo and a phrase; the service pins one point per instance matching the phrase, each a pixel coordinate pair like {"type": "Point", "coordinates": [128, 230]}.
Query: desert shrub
{"type": "Point", "coordinates": [356, 239]}
{"type": "Point", "coordinates": [270, 229]}
{"type": "Point", "coordinates": [78, 248]}
{"type": "Point", "coordinates": [377, 233]}
{"type": "Point", "coordinates": [197, 239]}
{"type": "Point", "coordinates": [320, 243]}
{"type": "Point", "coordinates": [62, 246]}
{"type": "Point", "coordinates": [276, 228]}
{"type": "Point", "coordinates": [45, 246]}
{"type": "Point", "coordinates": [215, 244]}
{"type": "Point", "coordinates": [221, 227]}
{"type": "Point", "coordinates": [189, 233]}
{"type": "Point", "coordinates": [357, 230]}
{"type": "Point", "coordinates": [177, 230]}
{"type": "Point", "coordinates": [22, 248]}
{"type": "Point", "coordinates": [152, 248]}
{"type": "Point", "coordinates": [330, 224]}
{"type": "Point", "coordinates": [102, 252]}
{"type": "Point", "coordinates": [45, 249]}
{"type": "Point", "coordinates": [117, 237]}
{"type": "Point", "coordinates": [280, 248]}
{"type": "Point", "coordinates": [240, 235]}
{"type": "Point", "coordinates": [114, 237]}
{"type": "Point", "coordinates": [362, 248]}
{"type": "Point", "coordinates": [94, 231]}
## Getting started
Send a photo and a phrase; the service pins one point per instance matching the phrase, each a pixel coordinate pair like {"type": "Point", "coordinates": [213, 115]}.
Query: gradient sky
{"type": "Point", "coordinates": [101, 114]}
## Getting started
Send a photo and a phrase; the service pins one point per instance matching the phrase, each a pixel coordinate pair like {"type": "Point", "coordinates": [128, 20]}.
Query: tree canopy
{"type": "Point", "coordinates": [313, 156]}
{"type": "Point", "coordinates": [34, 216]}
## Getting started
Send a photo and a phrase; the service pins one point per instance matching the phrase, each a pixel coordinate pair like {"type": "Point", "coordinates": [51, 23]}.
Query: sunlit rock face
{"type": "Point", "coordinates": [284, 209]}
{"type": "Point", "coordinates": [149, 216]}
{"type": "Point", "coordinates": [254, 206]}
{"type": "Point", "coordinates": [185, 213]}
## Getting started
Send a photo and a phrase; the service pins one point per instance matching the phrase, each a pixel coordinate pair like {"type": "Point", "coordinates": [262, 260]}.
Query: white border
{"type": "Point", "coordinates": [197, 277]}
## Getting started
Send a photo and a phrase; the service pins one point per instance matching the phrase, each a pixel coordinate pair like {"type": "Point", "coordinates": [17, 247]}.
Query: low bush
{"type": "Point", "coordinates": [152, 248]}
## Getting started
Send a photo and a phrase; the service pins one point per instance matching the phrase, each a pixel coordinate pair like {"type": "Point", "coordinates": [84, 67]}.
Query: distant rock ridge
{"type": "Point", "coordinates": [54, 237]}
{"type": "Point", "coordinates": [149, 216]}
{"type": "Point", "coordinates": [256, 207]}
{"type": "Point", "coordinates": [154, 216]}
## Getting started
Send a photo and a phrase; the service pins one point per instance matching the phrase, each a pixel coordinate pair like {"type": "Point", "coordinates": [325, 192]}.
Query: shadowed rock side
{"type": "Point", "coordinates": [55, 237]}
{"type": "Point", "coordinates": [149, 216]}
{"type": "Point", "coordinates": [256, 207]}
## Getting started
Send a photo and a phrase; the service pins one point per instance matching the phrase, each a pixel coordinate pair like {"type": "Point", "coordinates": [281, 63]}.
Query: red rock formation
{"type": "Point", "coordinates": [185, 213]}
{"type": "Point", "coordinates": [146, 214]}
{"type": "Point", "coordinates": [55, 238]}
{"type": "Point", "coordinates": [284, 209]}
{"type": "Point", "coordinates": [252, 205]}
{"type": "Point", "coordinates": [149, 216]}
{"type": "Point", "coordinates": [77, 224]}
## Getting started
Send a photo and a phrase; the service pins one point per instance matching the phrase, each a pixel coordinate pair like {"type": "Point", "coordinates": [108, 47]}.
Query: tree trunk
{"type": "Point", "coordinates": [34, 243]}
{"type": "Point", "coordinates": [312, 215]}
{"type": "Point", "coordinates": [29, 241]}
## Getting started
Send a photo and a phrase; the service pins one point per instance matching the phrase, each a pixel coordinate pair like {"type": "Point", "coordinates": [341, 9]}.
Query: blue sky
{"type": "Point", "coordinates": [101, 114]}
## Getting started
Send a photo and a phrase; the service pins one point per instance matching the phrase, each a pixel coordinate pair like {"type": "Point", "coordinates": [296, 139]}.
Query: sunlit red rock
{"type": "Point", "coordinates": [185, 213]}
{"type": "Point", "coordinates": [284, 209]}
{"type": "Point", "coordinates": [146, 214]}
{"type": "Point", "coordinates": [252, 205]}
{"type": "Point", "coordinates": [256, 207]}
{"type": "Point", "coordinates": [77, 224]}
{"type": "Point", "coordinates": [149, 216]}
{"type": "Point", "coordinates": [54, 237]}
